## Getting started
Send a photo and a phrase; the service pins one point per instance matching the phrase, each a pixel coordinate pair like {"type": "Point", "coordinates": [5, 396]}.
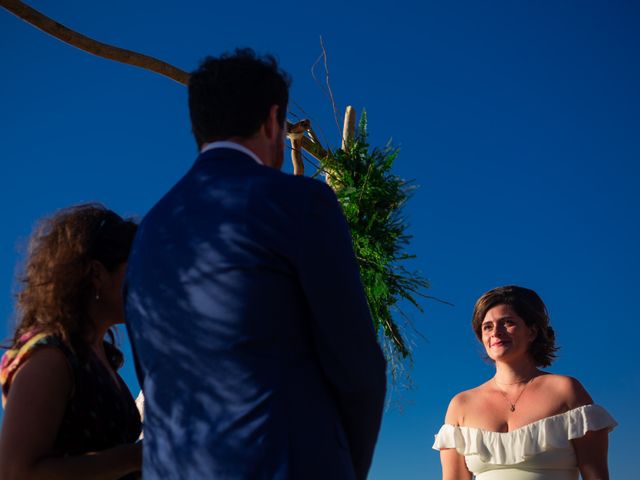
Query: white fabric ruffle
{"type": "Point", "coordinates": [510, 448]}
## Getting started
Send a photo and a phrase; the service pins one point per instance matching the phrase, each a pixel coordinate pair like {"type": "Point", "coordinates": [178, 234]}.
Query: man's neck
{"type": "Point", "coordinates": [241, 145]}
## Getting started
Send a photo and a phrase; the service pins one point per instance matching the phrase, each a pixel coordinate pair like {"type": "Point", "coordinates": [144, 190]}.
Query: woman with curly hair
{"type": "Point", "coordinates": [68, 414]}
{"type": "Point", "coordinates": [523, 423]}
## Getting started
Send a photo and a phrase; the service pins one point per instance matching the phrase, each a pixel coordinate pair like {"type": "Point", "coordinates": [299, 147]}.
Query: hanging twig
{"type": "Point", "coordinates": [326, 77]}
{"type": "Point", "coordinates": [328, 91]}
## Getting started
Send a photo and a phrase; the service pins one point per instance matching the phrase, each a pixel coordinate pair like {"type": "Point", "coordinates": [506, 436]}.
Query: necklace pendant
{"type": "Point", "coordinates": [513, 407]}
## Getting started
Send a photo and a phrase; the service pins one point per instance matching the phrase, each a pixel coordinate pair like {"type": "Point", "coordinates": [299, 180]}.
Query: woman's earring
{"type": "Point", "coordinates": [97, 297]}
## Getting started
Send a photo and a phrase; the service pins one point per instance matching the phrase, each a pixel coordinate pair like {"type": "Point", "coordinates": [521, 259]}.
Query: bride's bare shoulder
{"type": "Point", "coordinates": [461, 403]}
{"type": "Point", "coordinates": [568, 388]}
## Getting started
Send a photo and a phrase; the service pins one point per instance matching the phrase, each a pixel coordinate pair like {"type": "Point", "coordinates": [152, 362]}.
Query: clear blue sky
{"type": "Point", "coordinates": [520, 121]}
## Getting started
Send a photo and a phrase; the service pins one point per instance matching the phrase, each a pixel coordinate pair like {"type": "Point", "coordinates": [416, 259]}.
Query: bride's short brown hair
{"type": "Point", "coordinates": [530, 307]}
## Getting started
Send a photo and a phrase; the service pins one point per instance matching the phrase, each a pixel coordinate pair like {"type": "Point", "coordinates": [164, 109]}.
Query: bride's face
{"type": "Point", "coordinates": [505, 335]}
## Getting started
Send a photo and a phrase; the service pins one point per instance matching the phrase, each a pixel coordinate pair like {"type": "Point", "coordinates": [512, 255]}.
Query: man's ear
{"type": "Point", "coordinates": [271, 125]}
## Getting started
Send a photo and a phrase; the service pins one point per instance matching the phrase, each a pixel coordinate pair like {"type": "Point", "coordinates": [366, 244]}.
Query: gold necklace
{"type": "Point", "coordinates": [514, 383]}
{"type": "Point", "coordinates": [504, 394]}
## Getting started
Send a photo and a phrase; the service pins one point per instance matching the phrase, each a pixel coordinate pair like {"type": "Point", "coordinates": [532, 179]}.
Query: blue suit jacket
{"type": "Point", "coordinates": [252, 335]}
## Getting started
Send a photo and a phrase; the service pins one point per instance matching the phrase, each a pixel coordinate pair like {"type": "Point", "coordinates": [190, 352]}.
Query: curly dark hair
{"type": "Point", "coordinates": [231, 95]}
{"type": "Point", "coordinates": [55, 282]}
{"type": "Point", "coordinates": [530, 307]}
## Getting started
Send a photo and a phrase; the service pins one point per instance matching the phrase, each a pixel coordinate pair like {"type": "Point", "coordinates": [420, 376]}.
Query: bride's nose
{"type": "Point", "coordinates": [499, 330]}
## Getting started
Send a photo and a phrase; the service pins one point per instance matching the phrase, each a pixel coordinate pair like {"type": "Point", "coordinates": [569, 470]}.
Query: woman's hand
{"type": "Point", "coordinates": [128, 455]}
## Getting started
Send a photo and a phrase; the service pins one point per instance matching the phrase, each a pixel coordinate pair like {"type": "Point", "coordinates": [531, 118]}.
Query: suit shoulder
{"type": "Point", "coordinates": [317, 189]}
{"type": "Point", "coordinates": [298, 187]}
{"type": "Point", "coordinates": [302, 182]}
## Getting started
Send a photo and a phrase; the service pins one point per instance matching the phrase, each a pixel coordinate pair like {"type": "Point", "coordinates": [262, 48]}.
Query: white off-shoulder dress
{"type": "Point", "coordinates": [537, 451]}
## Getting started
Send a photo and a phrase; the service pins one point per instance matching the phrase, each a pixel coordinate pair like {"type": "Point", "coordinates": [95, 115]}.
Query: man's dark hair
{"type": "Point", "coordinates": [231, 95]}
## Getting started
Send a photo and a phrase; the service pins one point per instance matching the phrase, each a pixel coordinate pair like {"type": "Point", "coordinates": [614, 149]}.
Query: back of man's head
{"type": "Point", "coordinates": [231, 95]}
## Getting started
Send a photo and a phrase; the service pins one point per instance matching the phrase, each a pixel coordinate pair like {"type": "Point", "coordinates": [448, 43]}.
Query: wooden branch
{"type": "Point", "coordinates": [314, 148]}
{"type": "Point", "coordinates": [75, 39]}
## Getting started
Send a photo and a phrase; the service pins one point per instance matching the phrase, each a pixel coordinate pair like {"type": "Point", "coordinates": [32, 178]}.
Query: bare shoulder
{"type": "Point", "coordinates": [569, 389]}
{"type": "Point", "coordinates": [47, 365]}
{"type": "Point", "coordinates": [460, 405]}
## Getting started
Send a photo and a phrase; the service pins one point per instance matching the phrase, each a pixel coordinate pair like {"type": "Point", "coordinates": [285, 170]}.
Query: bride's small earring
{"type": "Point", "coordinates": [97, 297]}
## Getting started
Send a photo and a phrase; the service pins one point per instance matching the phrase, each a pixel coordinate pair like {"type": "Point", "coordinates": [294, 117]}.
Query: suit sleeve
{"type": "Point", "coordinates": [341, 323]}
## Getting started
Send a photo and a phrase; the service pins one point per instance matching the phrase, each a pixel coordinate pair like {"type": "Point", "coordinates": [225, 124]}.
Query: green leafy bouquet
{"type": "Point", "coordinates": [372, 198]}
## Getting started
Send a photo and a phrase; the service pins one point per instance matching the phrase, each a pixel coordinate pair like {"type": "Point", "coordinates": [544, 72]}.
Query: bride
{"type": "Point", "coordinates": [523, 423]}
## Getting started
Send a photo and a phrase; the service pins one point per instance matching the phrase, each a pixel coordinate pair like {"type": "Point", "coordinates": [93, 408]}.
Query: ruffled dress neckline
{"type": "Point", "coordinates": [542, 445]}
{"type": "Point", "coordinates": [550, 418]}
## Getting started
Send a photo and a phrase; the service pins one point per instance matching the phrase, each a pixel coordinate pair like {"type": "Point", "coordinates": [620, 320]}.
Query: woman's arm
{"type": "Point", "coordinates": [591, 450]}
{"type": "Point", "coordinates": [453, 465]}
{"type": "Point", "coordinates": [33, 415]}
{"type": "Point", "coordinates": [591, 454]}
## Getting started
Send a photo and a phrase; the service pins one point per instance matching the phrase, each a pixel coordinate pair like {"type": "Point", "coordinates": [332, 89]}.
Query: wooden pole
{"type": "Point", "coordinates": [296, 134]}
{"type": "Point", "coordinates": [348, 132]}
{"type": "Point", "coordinates": [349, 127]}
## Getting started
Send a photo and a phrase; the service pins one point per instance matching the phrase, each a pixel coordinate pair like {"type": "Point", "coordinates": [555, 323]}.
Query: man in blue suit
{"type": "Point", "coordinates": [252, 335]}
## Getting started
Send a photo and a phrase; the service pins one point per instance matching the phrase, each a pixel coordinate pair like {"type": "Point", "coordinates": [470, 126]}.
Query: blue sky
{"type": "Point", "coordinates": [518, 119]}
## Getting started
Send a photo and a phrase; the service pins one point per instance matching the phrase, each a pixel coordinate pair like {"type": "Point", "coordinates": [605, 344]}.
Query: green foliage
{"type": "Point", "coordinates": [372, 199]}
